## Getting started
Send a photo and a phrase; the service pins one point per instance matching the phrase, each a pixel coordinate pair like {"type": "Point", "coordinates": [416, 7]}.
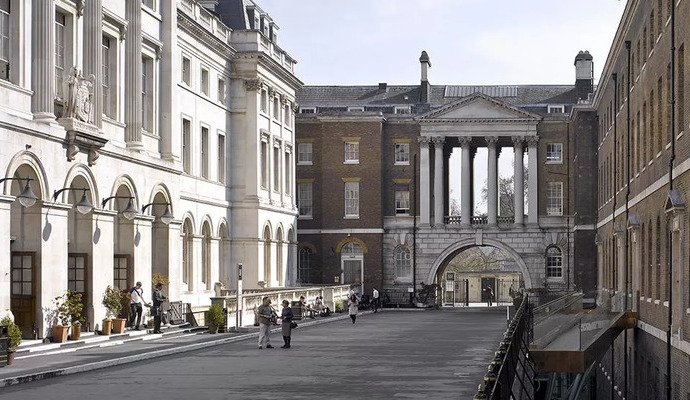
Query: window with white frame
{"type": "Point", "coordinates": [221, 90]}
{"type": "Point", "coordinates": [5, 39]}
{"type": "Point", "coordinates": [554, 262]}
{"type": "Point", "coordinates": [287, 115]}
{"type": "Point", "coordinates": [204, 81]}
{"type": "Point", "coordinates": [187, 71]}
{"type": "Point", "coordinates": [554, 198]}
{"type": "Point", "coordinates": [149, 3]}
{"type": "Point", "coordinates": [147, 93]}
{"type": "Point", "coordinates": [402, 110]}
{"type": "Point", "coordinates": [402, 199]}
{"type": "Point", "coordinates": [288, 171]}
{"type": "Point", "coordinates": [204, 152]}
{"type": "Point", "coordinates": [264, 101]}
{"type": "Point", "coordinates": [403, 262]}
{"type": "Point", "coordinates": [221, 158]}
{"type": "Point", "coordinates": [402, 154]}
{"type": "Point", "coordinates": [276, 168]}
{"type": "Point", "coordinates": [307, 110]}
{"type": "Point", "coordinates": [186, 145]}
{"type": "Point", "coordinates": [355, 108]}
{"type": "Point", "coordinates": [556, 109]}
{"type": "Point", "coordinates": [105, 72]}
{"type": "Point", "coordinates": [352, 152]}
{"type": "Point", "coordinates": [304, 153]}
{"type": "Point", "coordinates": [276, 108]}
{"type": "Point", "coordinates": [304, 265]}
{"type": "Point", "coordinates": [554, 153]}
{"type": "Point", "coordinates": [264, 164]}
{"type": "Point", "coordinates": [304, 199]}
{"type": "Point", "coordinates": [351, 199]}
{"type": "Point", "coordinates": [60, 52]}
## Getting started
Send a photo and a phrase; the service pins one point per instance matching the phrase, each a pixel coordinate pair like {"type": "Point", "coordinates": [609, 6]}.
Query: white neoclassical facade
{"type": "Point", "coordinates": [141, 137]}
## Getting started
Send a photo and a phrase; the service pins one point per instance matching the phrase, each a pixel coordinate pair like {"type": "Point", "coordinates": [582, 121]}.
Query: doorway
{"type": "Point", "coordinates": [22, 296]}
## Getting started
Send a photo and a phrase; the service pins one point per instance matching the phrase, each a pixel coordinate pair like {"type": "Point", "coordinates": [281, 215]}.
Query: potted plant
{"type": "Point", "coordinates": [215, 318]}
{"type": "Point", "coordinates": [74, 308]}
{"type": "Point", "coordinates": [426, 295]}
{"type": "Point", "coordinates": [112, 301]}
{"type": "Point", "coordinates": [61, 328]}
{"type": "Point", "coordinates": [14, 335]}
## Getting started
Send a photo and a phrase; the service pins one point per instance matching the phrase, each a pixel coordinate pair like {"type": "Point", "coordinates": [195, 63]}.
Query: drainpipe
{"type": "Point", "coordinates": [670, 187]}
{"type": "Point", "coordinates": [414, 230]}
{"type": "Point", "coordinates": [627, 212]}
{"type": "Point", "coordinates": [567, 140]}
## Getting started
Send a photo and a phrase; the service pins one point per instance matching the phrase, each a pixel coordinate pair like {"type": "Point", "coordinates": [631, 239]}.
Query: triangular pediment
{"type": "Point", "coordinates": [478, 106]}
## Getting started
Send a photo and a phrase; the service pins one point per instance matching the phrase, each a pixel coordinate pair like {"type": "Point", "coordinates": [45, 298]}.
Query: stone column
{"type": "Point", "coordinates": [93, 55]}
{"type": "Point", "coordinates": [438, 180]}
{"type": "Point", "coordinates": [133, 72]}
{"type": "Point", "coordinates": [43, 56]}
{"type": "Point", "coordinates": [169, 121]}
{"type": "Point", "coordinates": [533, 196]}
{"type": "Point", "coordinates": [492, 177]}
{"type": "Point", "coordinates": [519, 180]}
{"type": "Point", "coordinates": [465, 184]}
{"type": "Point", "coordinates": [424, 189]}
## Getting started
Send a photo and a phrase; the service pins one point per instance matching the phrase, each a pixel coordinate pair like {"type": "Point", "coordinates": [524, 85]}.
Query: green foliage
{"type": "Point", "coordinates": [70, 308]}
{"type": "Point", "coordinates": [215, 315]}
{"type": "Point", "coordinates": [339, 306]}
{"type": "Point", "coordinates": [157, 278]}
{"type": "Point", "coordinates": [112, 301]}
{"type": "Point", "coordinates": [13, 332]}
{"type": "Point", "coordinates": [427, 293]}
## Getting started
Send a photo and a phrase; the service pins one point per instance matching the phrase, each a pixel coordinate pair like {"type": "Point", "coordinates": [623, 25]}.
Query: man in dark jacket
{"type": "Point", "coordinates": [156, 310]}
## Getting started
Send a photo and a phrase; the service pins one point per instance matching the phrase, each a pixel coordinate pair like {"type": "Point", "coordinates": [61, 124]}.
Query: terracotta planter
{"type": "Point", "coordinates": [76, 332]}
{"type": "Point", "coordinates": [60, 333]}
{"type": "Point", "coordinates": [119, 325]}
{"type": "Point", "coordinates": [10, 357]}
{"type": "Point", "coordinates": [107, 327]}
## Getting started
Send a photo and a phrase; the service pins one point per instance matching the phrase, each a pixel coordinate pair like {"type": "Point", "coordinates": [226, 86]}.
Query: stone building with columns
{"type": "Point", "coordinates": [142, 137]}
{"type": "Point", "coordinates": [374, 169]}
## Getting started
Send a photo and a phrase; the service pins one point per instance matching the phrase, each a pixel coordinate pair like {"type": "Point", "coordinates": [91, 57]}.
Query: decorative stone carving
{"type": "Point", "coordinates": [80, 8]}
{"type": "Point", "coordinates": [284, 101]}
{"type": "Point", "coordinates": [78, 99]}
{"type": "Point", "coordinates": [438, 140]}
{"type": "Point", "coordinates": [272, 92]}
{"type": "Point", "coordinates": [295, 107]}
{"type": "Point", "coordinates": [123, 32]}
{"type": "Point", "coordinates": [423, 141]}
{"type": "Point", "coordinates": [465, 141]}
{"type": "Point", "coordinates": [518, 141]}
{"type": "Point", "coordinates": [491, 140]}
{"type": "Point", "coordinates": [253, 84]}
{"type": "Point", "coordinates": [532, 140]}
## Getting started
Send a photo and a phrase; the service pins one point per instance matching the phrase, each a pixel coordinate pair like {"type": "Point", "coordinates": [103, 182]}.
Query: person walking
{"type": "Point", "coordinates": [375, 297]}
{"type": "Point", "coordinates": [136, 302]}
{"type": "Point", "coordinates": [265, 314]}
{"type": "Point", "coordinates": [489, 295]}
{"type": "Point", "coordinates": [286, 324]}
{"type": "Point", "coordinates": [352, 307]}
{"type": "Point", "coordinates": [157, 308]}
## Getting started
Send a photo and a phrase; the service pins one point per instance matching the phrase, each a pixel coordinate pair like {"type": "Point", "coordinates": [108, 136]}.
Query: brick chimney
{"type": "Point", "coordinates": [584, 74]}
{"type": "Point", "coordinates": [425, 86]}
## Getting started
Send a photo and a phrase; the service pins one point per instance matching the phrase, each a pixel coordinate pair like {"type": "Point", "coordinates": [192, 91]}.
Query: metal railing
{"type": "Point", "coordinates": [478, 220]}
{"type": "Point", "coordinates": [511, 374]}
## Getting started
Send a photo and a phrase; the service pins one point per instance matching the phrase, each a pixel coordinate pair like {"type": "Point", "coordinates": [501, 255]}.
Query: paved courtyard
{"type": "Point", "coordinates": [389, 355]}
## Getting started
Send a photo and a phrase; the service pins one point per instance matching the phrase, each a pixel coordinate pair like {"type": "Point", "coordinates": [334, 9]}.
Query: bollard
{"type": "Point", "coordinates": [489, 381]}
{"type": "Point", "coordinates": [480, 394]}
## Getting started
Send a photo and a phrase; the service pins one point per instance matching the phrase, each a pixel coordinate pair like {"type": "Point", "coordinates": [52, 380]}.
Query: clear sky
{"type": "Point", "coordinates": [356, 42]}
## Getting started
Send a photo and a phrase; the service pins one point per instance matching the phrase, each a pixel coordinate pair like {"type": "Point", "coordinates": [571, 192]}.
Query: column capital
{"type": "Point", "coordinates": [423, 141]}
{"type": "Point", "coordinates": [465, 140]}
{"type": "Point", "coordinates": [518, 141]}
{"type": "Point", "coordinates": [438, 140]}
{"type": "Point", "coordinates": [532, 141]}
{"type": "Point", "coordinates": [491, 140]}
{"type": "Point", "coordinates": [253, 84]}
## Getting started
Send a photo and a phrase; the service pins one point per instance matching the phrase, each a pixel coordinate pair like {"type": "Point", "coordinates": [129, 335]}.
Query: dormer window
{"type": "Point", "coordinates": [307, 110]}
{"type": "Point", "coordinates": [355, 108]}
{"type": "Point", "coordinates": [556, 109]}
{"type": "Point", "coordinates": [274, 32]}
{"type": "Point", "coordinates": [402, 110]}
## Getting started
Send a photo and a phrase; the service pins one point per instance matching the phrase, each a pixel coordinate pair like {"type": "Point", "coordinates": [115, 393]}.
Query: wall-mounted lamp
{"type": "Point", "coordinates": [129, 212]}
{"type": "Point", "coordinates": [26, 198]}
{"type": "Point", "coordinates": [84, 206]}
{"type": "Point", "coordinates": [167, 216]}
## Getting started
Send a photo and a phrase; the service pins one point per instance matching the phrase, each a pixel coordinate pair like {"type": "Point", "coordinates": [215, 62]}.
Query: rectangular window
{"type": "Point", "coordinates": [221, 90]}
{"type": "Point", "coordinates": [204, 152]}
{"type": "Point", "coordinates": [264, 101]}
{"type": "Point", "coordinates": [121, 272]}
{"type": "Point", "coordinates": [402, 153]}
{"type": "Point", "coordinates": [288, 173]}
{"type": "Point", "coordinates": [304, 199]}
{"type": "Point", "coordinates": [355, 109]}
{"type": "Point", "coordinates": [276, 108]}
{"type": "Point", "coordinates": [402, 110]}
{"type": "Point", "coordinates": [402, 199]}
{"type": "Point", "coordinates": [554, 153]}
{"type": "Point", "coordinates": [276, 168]}
{"type": "Point", "coordinates": [287, 115]}
{"type": "Point", "coordinates": [5, 39]}
{"type": "Point", "coordinates": [352, 152]}
{"type": "Point", "coordinates": [60, 20]}
{"type": "Point", "coordinates": [351, 199]}
{"type": "Point", "coordinates": [204, 81]}
{"type": "Point", "coordinates": [556, 109]}
{"type": "Point", "coordinates": [554, 198]}
{"type": "Point", "coordinates": [652, 32]}
{"type": "Point", "coordinates": [221, 158]}
{"type": "Point", "coordinates": [187, 71]}
{"type": "Point", "coordinates": [147, 94]}
{"type": "Point", "coordinates": [681, 89]}
{"type": "Point", "coordinates": [307, 110]}
{"type": "Point", "coordinates": [105, 72]}
{"type": "Point", "coordinates": [264, 164]}
{"type": "Point", "coordinates": [304, 153]}
{"type": "Point", "coordinates": [186, 143]}
{"type": "Point", "coordinates": [149, 3]}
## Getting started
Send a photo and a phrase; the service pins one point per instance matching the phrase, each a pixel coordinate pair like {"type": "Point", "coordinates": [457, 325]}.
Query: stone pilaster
{"type": "Point", "coordinates": [133, 72]}
{"type": "Point", "coordinates": [519, 180]}
{"type": "Point", "coordinates": [533, 195]}
{"type": "Point", "coordinates": [169, 122]}
{"type": "Point", "coordinates": [93, 56]}
{"type": "Point", "coordinates": [43, 56]}
{"type": "Point", "coordinates": [492, 177]}
{"type": "Point", "coordinates": [424, 187]}
{"type": "Point", "coordinates": [438, 180]}
{"type": "Point", "coordinates": [465, 182]}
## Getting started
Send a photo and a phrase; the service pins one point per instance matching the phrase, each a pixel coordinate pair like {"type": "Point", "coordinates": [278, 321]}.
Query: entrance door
{"type": "Point", "coordinates": [353, 271]}
{"type": "Point", "coordinates": [23, 297]}
{"type": "Point", "coordinates": [77, 279]}
{"type": "Point", "coordinates": [352, 263]}
{"type": "Point", "coordinates": [450, 289]}
{"type": "Point", "coordinates": [486, 282]}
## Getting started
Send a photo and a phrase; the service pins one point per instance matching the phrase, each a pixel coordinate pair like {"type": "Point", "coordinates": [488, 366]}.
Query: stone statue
{"type": "Point", "coordinates": [78, 100]}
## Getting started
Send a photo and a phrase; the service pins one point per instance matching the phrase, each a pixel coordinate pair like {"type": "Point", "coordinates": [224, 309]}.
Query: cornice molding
{"type": "Point", "coordinates": [195, 29]}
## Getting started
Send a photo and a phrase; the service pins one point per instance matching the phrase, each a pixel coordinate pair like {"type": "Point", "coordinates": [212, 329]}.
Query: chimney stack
{"type": "Point", "coordinates": [584, 75]}
{"type": "Point", "coordinates": [425, 86]}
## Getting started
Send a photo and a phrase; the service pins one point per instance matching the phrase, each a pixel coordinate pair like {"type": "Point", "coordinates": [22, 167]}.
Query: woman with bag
{"type": "Point", "coordinates": [287, 324]}
{"type": "Point", "coordinates": [353, 308]}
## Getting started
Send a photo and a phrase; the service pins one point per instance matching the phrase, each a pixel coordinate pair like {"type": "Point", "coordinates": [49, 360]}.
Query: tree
{"type": "Point", "coordinates": [506, 193]}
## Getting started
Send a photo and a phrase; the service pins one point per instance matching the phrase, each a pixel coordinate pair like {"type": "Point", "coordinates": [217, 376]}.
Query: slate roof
{"type": "Point", "coordinates": [233, 13]}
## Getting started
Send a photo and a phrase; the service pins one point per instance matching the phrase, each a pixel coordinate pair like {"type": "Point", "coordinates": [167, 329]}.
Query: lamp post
{"type": "Point", "coordinates": [84, 206]}
{"type": "Point", "coordinates": [129, 212]}
{"type": "Point", "coordinates": [26, 198]}
{"type": "Point", "coordinates": [167, 216]}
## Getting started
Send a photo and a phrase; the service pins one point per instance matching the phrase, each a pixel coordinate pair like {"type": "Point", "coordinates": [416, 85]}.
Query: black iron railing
{"type": "Point", "coordinates": [511, 374]}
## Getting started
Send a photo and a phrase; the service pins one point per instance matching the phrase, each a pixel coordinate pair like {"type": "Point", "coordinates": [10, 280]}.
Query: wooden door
{"type": "Point", "coordinates": [77, 279]}
{"type": "Point", "coordinates": [23, 292]}
{"type": "Point", "coordinates": [486, 282]}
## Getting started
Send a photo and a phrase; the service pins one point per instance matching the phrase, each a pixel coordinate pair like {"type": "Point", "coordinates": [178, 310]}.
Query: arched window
{"type": "Point", "coordinates": [279, 257]}
{"type": "Point", "coordinates": [223, 273]}
{"type": "Point", "coordinates": [554, 262]}
{"type": "Point", "coordinates": [187, 257]}
{"type": "Point", "coordinates": [267, 256]}
{"type": "Point", "coordinates": [305, 265]}
{"type": "Point", "coordinates": [403, 262]}
{"type": "Point", "coordinates": [206, 256]}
